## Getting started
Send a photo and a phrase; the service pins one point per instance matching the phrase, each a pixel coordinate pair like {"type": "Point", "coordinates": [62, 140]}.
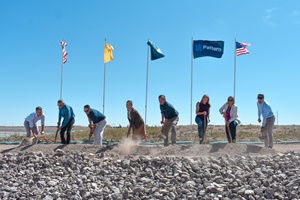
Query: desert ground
{"type": "Point", "coordinates": [132, 170]}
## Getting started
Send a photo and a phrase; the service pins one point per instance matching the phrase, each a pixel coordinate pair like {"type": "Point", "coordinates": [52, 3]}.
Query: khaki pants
{"type": "Point", "coordinates": [28, 130]}
{"type": "Point", "coordinates": [170, 125]}
{"type": "Point", "coordinates": [98, 135]}
{"type": "Point", "coordinates": [268, 132]}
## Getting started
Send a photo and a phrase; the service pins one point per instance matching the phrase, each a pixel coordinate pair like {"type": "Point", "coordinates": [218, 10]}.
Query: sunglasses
{"type": "Point", "coordinates": [60, 105]}
{"type": "Point", "coordinates": [86, 110]}
{"type": "Point", "coordinates": [230, 99]}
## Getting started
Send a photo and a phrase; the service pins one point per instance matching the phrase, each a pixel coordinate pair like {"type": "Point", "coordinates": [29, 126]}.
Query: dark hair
{"type": "Point", "coordinates": [161, 96]}
{"type": "Point", "coordinates": [60, 101]}
{"type": "Point", "coordinates": [206, 96]}
{"type": "Point", "coordinates": [87, 106]}
{"type": "Point", "coordinates": [260, 96]}
{"type": "Point", "coordinates": [38, 108]}
{"type": "Point", "coordinates": [231, 97]}
{"type": "Point", "coordinates": [129, 101]}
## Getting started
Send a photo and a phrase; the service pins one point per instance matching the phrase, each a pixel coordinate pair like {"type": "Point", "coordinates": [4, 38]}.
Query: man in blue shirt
{"type": "Point", "coordinates": [30, 122]}
{"type": "Point", "coordinates": [97, 123]}
{"type": "Point", "coordinates": [65, 112]}
{"type": "Point", "coordinates": [265, 110]}
{"type": "Point", "coordinates": [169, 119]}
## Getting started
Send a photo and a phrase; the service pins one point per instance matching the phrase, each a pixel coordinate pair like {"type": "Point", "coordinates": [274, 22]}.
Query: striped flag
{"type": "Point", "coordinates": [240, 48]}
{"type": "Point", "coordinates": [63, 45]}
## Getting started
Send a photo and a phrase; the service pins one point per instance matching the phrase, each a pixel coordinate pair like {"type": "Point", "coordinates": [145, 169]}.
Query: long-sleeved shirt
{"type": "Point", "coordinates": [33, 118]}
{"type": "Point", "coordinates": [265, 110]}
{"type": "Point", "coordinates": [168, 110]}
{"type": "Point", "coordinates": [95, 116]}
{"type": "Point", "coordinates": [233, 112]}
{"type": "Point", "coordinates": [67, 113]}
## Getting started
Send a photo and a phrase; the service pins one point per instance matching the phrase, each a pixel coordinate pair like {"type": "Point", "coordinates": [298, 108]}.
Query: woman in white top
{"type": "Point", "coordinates": [229, 112]}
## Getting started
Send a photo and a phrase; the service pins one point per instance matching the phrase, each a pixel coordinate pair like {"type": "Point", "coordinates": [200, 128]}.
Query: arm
{"type": "Point", "coordinates": [162, 118]}
{"type": "Point", "coordinates": [221, 110]}
{"type": "Point", "coordinates": [42, 124]}
{"type": "Point", "coordinates": [197, 108]}
{"type": "Point", "coordinates": [259, 113]}
{"type": "Point", "coordinates": [90, 125]}
{"type": "Point", "coordinates": [66, 117]}
{"type": "Point", "coordinates": [91, 128]}
{"type": "Point", "coordinates": [234, 115]}
{"type": "Point", "coordinates": [59, 118]}
{"type": "Point", "coordinates": [128, 132]}
{"type": "Point", "coordinates": [31, 125]}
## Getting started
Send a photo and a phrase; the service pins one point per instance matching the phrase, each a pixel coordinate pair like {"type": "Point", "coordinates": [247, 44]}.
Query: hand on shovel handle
{"type": "Point", "coordinates": [56, 134]}
{"type": "Point", "coordinates": [90, 135]}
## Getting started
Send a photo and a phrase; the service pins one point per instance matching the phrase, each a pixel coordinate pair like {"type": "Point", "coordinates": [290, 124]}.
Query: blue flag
{"type": "Point", "coordinates": [203, 48]}
{"type": "Point", "coordinates": [155, 51]}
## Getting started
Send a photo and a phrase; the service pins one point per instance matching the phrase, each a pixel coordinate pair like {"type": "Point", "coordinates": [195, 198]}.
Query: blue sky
{"type": "Point", "coordinates": [30, 57]}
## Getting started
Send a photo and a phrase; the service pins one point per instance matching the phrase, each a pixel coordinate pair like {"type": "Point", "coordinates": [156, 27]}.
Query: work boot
{"type": "Point", "coordinates": [200, 140]}
{"type": "Point", "coordinates": [262, 137]}
{"type": "Point", "coordinates": [162, 137]}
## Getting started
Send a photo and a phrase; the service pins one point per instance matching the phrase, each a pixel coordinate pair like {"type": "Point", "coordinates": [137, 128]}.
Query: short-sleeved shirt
{"type": "Point", "coordinates": [168, 110]}
{"type": "Point", "coordinates": [95, 116]}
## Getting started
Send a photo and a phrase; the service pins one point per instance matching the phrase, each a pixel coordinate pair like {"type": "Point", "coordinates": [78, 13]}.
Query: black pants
{"type": "Point", "coordinates": [67, 128]}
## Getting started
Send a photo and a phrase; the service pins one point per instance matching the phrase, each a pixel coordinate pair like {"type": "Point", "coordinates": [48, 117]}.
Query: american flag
{"type": "Point", "coordinates": [240, 48]}
{"type": "Point", "coordinates": [64, 52]}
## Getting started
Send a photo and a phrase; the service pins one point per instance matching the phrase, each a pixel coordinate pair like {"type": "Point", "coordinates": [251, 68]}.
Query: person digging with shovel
{"type": "Point", "coordinates": [169, 119]}
{"type": "Point", "coordinates": [97, 125]}
{"type": "Point", "coordinates": [265, 110]}
{"type": "Point", "coordinates": [229, 112]}
{"type": "Point", "coordinates": [136, 123]}
{"type": "Point", "coordinates": [31, 126]}
{"type": "Point", "coordinates": [202, 116]}
{"type": "Point", "coordinates": [66, 112]}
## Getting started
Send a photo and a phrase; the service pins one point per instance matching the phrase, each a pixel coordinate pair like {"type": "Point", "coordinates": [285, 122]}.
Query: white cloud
{"type": "Point", "coordinates": [268, 18]}
{"type": "Point", "coordinates": [295, 17]}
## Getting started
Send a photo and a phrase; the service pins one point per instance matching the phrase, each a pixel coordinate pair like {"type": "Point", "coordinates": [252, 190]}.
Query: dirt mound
{"type": "Point", "coordinates": [128, 147]}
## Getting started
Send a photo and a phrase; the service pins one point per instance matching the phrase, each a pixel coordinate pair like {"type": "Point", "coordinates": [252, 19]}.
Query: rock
{"type": "Point", "coordinates": [94, 185]}
{"type": "Point", "coordinates": [52, 183]}
{"type": "Point", "coordinates": [126, 163]}
{"type": "Point", "coordinates": [249, 192]}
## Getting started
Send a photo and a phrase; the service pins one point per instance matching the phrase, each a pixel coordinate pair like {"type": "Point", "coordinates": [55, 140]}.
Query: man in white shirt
{"type": "Point", "coordinates": [30, 122]}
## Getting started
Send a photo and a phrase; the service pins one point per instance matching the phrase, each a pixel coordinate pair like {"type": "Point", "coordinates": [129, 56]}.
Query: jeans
{"type": "Point", "coordinates": [200, 123]}
{"type": "Point", "coordinates": [232, 128]}
{"type": "Point", "coordinates": [67, 128]}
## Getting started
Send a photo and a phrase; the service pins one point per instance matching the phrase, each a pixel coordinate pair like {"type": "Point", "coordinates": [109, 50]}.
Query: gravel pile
{"type": "Point", "coordinates": [83, 175]}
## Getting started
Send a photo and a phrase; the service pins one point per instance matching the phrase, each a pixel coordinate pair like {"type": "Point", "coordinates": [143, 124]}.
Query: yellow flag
{"type": "Point", "coordinates": [108, 53]}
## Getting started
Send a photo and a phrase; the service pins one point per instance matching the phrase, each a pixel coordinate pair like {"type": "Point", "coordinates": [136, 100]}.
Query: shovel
{"type": "Point", "coordinates": [261, 136]}
{"type": "Point", "coordinates": [229, 133]}
{"type": "Point", "coordinates": [56, 135]}
{"type": "Point", "coordinates": [29, 141]}
{"type": "Point", "coordinates": [204, 129]}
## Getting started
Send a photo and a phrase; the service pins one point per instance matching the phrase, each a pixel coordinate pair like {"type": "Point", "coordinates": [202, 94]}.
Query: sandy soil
{"type": "Point", "coordinates": [128, 147]}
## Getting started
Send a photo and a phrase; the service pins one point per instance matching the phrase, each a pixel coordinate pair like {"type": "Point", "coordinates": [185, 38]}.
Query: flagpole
{"type": "Point", "coordinates": [62, 72]}
{"type": "Point", "coordinates": [192, 63]}
{"type": "Point", "coordinates": [148, 47]}
{"type": "Point", "coordinates": [234, 68]}
{"type": "Point", "coordinates": [104, 80]}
